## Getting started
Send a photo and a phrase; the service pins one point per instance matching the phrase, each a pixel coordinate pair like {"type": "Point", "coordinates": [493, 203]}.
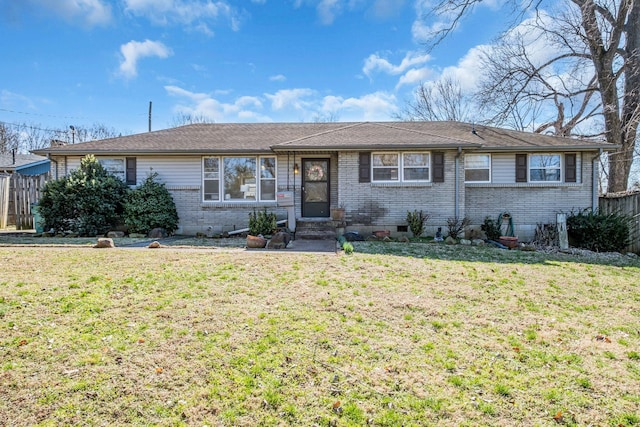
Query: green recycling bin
{"type": "Point", "coordinates": [38, 223]}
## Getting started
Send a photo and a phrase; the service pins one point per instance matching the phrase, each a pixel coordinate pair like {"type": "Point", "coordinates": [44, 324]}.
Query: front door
{"type": "Point", "coordinates": [315, 188]}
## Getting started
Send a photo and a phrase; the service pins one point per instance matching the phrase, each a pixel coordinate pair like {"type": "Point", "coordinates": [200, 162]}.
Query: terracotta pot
{"type": "Point", "coordinates": [256, 242]}
{"type": "Point", "coordinates": [337, 214]}
{"type": "Point", "coordinates": [508, 241]}
{"type": "Point", "coordinates": [382, 233]}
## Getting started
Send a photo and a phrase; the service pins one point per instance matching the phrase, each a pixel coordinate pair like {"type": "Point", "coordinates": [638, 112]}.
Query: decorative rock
{"type": "Point", "coordinates": [474, 232]}
{"type": "Point", "coordinates": [154, 245]}
{"type": "Point", "coordinates": [477, 242]}
{"type": "Point", "coordinates": [280, 240]}
{"type": "Point", "coordinates": [465, 242]}
{"type": "Point", "coordinates": [450, 240]}
{"type": "Point", "coordinates": [403, 239]}
{"type": "Point", "coordinates": [104, 242]}
{"type": "Point", "coordinates": [115, 234]}
{"type": "Point", "coordinates": [158, 233]}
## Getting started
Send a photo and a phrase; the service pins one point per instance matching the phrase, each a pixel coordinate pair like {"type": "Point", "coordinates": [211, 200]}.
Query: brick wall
{"type": "Point", "coordinates": [197, 217]}
{"type": "Point", "coordinates": [529, 204]}
{"type": "Point", "coordinates": [376, 206]}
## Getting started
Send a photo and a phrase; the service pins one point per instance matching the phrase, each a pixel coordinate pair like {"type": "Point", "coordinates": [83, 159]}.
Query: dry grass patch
{"type": "Point", "coordinates": [228, 337]}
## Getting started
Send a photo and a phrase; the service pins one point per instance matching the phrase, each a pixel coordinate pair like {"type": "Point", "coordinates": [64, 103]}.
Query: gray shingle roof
{"type": "Point", "coordinates": [267, 137]}
{"type": "Point", "coordinates": [7, 161]}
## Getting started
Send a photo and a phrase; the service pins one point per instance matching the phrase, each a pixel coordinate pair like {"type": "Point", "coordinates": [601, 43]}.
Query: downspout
{"type": "Point", "coordinates": [457, 195]}
{"type": "Point", "coordinates": [54, 161]}
{"type": "Point", "coordinates": [594, 182]}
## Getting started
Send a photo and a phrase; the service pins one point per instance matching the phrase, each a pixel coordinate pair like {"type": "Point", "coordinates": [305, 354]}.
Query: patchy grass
{"type": "Point", "coordinates": [418, 335]}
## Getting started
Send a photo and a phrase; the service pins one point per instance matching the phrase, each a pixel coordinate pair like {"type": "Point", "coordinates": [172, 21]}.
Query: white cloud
{"type": "Point", "coordinates": [377, 63]}
{"type": "Point", "coordinates": [378, 106]}
{"type": "Point", "coordinates": [244, 108]}
{"type": "Point", "coordinates": [414, 77]}
{"type": "Point", "coordinates": [8, 98]}
{"type": "Point", "coordinates": [185, 12]}
{"type": "Point", "coordinates": [290, 98]}
{"type": "Point", "coordinates": [88, 12]}
{"type": "Point", "coordinates": [327, 10]}
{"type": "Point", "coordinates": [387, 8]}
{"type": "Point", "coordinates": [301, 104]}
{"type": "Point", "coordinates": [278, 78]}
{"type": "Point", "coordinates": [466, 71]}
{"type": "Point", "coordinates": [134, 50]}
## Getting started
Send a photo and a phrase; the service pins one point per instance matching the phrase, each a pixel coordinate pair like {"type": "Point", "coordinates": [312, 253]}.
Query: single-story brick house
{"type": "Point", "coordinates": [376, 171]}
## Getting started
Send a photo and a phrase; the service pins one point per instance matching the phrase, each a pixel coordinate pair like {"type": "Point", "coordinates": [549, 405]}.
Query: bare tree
{"type": "Point", "coordinates": [528, 89]}
{"type": "Point", "coordinates": [182, 119]}
{"type": "Point", "coordinates": [94, 132]}
{"type": "Point", "coordinates": [439, 100]}
{"type": "Point", "coordinates": [605, 34]}
{"type": "Point", "coordinates": [9, 140]}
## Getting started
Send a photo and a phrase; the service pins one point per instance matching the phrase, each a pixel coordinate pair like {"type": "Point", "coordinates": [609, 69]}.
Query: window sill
{"type": "Point", "coordinates": [523, 185]}
{"type": "Point", "coordinates": [238, 204]}
{"type": "Point", "coordinates": [401, 184]}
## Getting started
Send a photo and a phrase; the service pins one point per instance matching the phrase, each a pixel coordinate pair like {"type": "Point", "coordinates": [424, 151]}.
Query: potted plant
{"type": "Point", "coordinates": [338, 213]}
{"type": "Point", "coordinates": [261, 224]}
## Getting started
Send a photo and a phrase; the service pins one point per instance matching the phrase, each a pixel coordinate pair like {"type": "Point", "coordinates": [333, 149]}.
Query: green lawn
{"type": "Point", "coordinates": [393, 335]}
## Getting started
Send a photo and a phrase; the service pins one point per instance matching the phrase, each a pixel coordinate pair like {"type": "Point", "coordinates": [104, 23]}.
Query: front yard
{"type": "Point", "coordinates": [395, 334]}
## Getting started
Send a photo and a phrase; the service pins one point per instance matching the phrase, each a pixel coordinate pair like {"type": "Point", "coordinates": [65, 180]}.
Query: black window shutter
{"type": "Point", "coordinates": [438, 166]}
{"type": "Point", "coordinates": [570, 167]}
{"type": "Point", "coordinates": [364, 174]}
{"type": "Point", "coordinates": [131, 171]}
{"type": "Point", "coordinates": [521, 168]}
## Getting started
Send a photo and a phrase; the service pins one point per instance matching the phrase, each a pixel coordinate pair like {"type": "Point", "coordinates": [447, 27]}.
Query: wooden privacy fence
{"type": "Point", "coordinates": [626, 204]}
{"type": "Point", "coordinates": [5, 183]}
{"type": "Point", "coordinates": [17, 194]}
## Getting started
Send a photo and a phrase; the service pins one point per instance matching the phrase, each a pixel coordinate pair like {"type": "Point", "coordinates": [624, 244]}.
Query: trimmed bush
{"type": "Point", "coordinates": [416, 221]}
{"type": "Point", "coordinates": [89, 201]}
{"type": "Point", "coordinates": [598, 232]}
{"type": "Point", "coordinates": [491, 229]}
{"type": "Point", "coordinates": [150, 206]}
{"type": "Point", "coordinates": [262, 222]}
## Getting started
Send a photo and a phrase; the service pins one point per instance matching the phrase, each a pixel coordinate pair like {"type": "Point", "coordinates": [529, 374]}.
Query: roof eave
{"type": "Point", "coordinates": [520, 148]}
{"type": "Point", "coordinates": [371, 147]}
{"type": "Point", "coordinates": [151, 152]}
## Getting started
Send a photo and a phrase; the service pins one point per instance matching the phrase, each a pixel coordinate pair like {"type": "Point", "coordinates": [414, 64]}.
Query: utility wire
{"type": "Point", "coordinates": [44, 115]}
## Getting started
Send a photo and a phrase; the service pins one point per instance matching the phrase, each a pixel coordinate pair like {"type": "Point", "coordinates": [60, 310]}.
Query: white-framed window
{"type": "Point", "coordinates": [239, 179]}
{"type": "Point", "coordinates": [211, 178]}
{"type": "Point", "coordinates": [387, 167]}
{"type": "Point", "coordinates": [477, 167]}
{"type": "Point", "coordinates": [545, 168]}
{"type": "Point", "coordinates": [415, 166]}
{"type": "Point", "coordinates": [115, 166]}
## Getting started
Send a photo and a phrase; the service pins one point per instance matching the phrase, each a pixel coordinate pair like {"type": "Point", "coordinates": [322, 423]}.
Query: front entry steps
{"type": "Point", "coordinates": [315, 229]}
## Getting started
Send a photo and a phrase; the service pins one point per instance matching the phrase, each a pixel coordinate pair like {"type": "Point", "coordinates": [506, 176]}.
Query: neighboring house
{"type": "Point", "coordinates": [21, 177]}
{"type": "Point", "coordinates": [377, 171]}
{"type": "Point", "coordinates": [24, 164]}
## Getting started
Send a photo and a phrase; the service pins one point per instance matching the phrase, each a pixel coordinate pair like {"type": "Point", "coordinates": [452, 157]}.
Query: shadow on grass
{"type": "Point", "coordinates": [492, 254]}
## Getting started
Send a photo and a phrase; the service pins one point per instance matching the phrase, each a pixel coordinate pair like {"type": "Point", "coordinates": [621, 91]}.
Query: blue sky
{"type": "Point", "coordinates": [80, 62]}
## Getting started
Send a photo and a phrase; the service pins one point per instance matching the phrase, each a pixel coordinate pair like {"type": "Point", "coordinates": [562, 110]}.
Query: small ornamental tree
{"type": "Point", "coordinates": [150, 206]}
{"type": "Point", "coordinates": [89, 201]}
